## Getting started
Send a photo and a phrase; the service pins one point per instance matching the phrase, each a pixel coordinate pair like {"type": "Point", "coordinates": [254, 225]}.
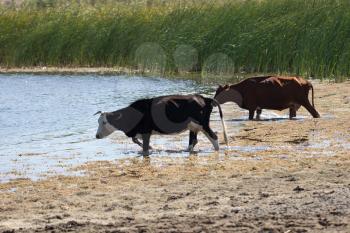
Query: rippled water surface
{"type": "Point", "coordinates": [47, 122]}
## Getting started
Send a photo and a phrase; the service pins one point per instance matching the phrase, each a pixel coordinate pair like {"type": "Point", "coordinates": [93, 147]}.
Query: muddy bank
{"type": "Point", "coordinates": [70, 70]}
{"type": "Point", "coordinates": [295, 178]}
{"type": "Point", "coordinates": [51, 70]}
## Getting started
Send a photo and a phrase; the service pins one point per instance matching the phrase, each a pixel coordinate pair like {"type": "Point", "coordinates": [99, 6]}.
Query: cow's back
{"type": "Point", "coordinates": [183, 108]}
{"type": "Point", "coordinates": [170, 114]}
{"type": "Point", "coordinates": [280, 92]}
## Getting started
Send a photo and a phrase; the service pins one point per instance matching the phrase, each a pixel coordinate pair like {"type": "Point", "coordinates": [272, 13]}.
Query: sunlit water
{"type": "Point", "coordinates": [47, 122]}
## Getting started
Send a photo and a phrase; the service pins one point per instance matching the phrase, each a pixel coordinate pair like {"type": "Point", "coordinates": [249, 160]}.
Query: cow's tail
{"type": "Point", "coordinates": [312, 90]}
{"type": "Point", "coordinates": [216, 103]}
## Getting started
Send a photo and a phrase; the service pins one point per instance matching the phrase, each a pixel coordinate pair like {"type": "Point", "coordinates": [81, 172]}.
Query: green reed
{"type": "Point", "coordinates": [303, 37]}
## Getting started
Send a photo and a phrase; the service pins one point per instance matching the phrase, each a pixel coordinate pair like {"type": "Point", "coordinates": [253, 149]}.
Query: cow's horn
{"type": "Point", "coordinates": [99, 112]}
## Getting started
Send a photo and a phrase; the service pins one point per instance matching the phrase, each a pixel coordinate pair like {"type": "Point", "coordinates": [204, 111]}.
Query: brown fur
{"type": "Point", "coordinates": [269, 92]}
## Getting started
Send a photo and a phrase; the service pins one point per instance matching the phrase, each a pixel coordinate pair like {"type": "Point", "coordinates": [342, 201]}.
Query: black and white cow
{"type": "Point", "coordinates": [162, 115]}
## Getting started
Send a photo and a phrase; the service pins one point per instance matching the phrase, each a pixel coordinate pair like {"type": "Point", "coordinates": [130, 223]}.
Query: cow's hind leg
{"type": "Point", "coordinates": [212, 137]}
{"type": "Point", "coordinates": [258, 113]}
{"type": "Point", "coordinates": [292, 113]}
{"type": "Point", "coordinates": [306, 104]}
{"type": "Point", "coordinates": [136, 140]}
{"type": "Point", "coordinates": [193, 141]}
{"type": "Point", "coordinates": [145, 145]}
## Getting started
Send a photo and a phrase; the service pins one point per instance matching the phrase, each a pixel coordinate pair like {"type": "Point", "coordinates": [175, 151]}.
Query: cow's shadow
{"type": "Point", "coordinates": [183, 152]}
{"type": "Point", "coordinates": [265, 119]}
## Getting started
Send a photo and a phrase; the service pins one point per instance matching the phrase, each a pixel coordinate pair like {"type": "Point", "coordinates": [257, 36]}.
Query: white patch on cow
{"type": "Point", "coordinates": [194, 127]}
{"type": "Point", "coordinates": [155, 132]}
{"type": "Point", "coordinates": [104, 127]}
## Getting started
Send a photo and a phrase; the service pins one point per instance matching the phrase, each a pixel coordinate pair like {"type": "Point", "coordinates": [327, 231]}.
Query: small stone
{"type": "Point", "coordinates": [298, 189]}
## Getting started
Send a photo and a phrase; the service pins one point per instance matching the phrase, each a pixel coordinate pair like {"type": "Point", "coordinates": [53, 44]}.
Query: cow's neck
{"type": "Point", "coordinates": [113, 119]}
{"type": "Point", "coordinates": [127, 122]}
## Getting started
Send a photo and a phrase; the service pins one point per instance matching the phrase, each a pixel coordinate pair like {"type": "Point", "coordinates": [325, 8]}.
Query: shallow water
{"type": "Point", "coordinates": [47, 122]}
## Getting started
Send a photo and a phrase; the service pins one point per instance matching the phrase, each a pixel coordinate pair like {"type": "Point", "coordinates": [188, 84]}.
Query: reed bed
{"type": "Point", "coordinates": [302, 37]}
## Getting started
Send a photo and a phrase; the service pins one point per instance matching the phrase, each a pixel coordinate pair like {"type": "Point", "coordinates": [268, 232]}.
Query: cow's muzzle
{"type": "Point", "coordinates": [98, 136]}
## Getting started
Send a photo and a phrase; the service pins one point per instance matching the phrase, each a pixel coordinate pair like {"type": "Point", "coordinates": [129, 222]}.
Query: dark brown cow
{"type": "Point", "coordinates": [269, 92]}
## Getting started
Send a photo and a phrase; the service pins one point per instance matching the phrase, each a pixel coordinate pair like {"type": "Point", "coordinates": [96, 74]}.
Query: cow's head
{"type": "Point", "coordinates": [226, 94]}
{"type": "Point", "coordinates": [105, 128]}
{"type": "Point", "coordinates": [221, 89]}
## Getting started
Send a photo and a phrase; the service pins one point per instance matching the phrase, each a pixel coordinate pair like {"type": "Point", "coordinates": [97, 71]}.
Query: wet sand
{"type": "Point", "coordinates": [294, 178]}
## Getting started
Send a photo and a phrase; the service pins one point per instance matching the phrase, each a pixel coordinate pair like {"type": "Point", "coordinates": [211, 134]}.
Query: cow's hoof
{"type": "Point", "coordinates": [190, 148]}
{"type": "Point", "coordinates": [145, 153]}
{"type": "Point", "coordinates": [193, 153]}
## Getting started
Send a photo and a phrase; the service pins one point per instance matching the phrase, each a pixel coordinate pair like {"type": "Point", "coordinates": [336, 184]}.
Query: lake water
{"type": "Point", "coordinates": [47, 122]}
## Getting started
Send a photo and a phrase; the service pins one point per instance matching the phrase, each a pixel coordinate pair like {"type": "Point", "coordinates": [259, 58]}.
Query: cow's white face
{"type": "Point", "coordinates": [104, 127]}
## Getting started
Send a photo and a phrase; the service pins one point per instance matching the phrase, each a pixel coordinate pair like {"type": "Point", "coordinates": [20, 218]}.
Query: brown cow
{"type": "Point", "coordinates": [269, 92]}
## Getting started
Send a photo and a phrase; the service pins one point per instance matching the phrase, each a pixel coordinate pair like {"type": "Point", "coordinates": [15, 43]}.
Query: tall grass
{"type": "Point", "coordinates": [304, 37]}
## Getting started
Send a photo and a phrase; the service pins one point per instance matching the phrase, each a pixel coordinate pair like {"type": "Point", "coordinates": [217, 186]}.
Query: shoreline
{"type": "Point", "coordinates": [103, 71]}
{"type": "Point", "coordinates": [110, 71]}
{"type": "Point", "coordinates": [194, 194]}
{"type": "Point", "coordinates": [42, 70]}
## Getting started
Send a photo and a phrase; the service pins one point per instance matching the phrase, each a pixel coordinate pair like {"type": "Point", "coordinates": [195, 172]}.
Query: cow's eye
{"type": "Point", "coordinates": [104, 122]}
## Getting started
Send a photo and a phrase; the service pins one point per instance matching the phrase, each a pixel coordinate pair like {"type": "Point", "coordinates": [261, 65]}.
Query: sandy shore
{"type": "Point", "coordinates": [296, 178]}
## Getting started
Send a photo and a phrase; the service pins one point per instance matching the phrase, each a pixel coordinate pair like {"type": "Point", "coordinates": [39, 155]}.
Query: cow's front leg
{"type": "Point", "coordinates": [212, 137]}
{"type": "Point", "coordinates": [145, 145]}
{"type": "Point", "coordinates": [193, 141]}
{"type": "Point", "coordinates": [251, 114]}
{"type": "Point", "coordinates": [135, 140]}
